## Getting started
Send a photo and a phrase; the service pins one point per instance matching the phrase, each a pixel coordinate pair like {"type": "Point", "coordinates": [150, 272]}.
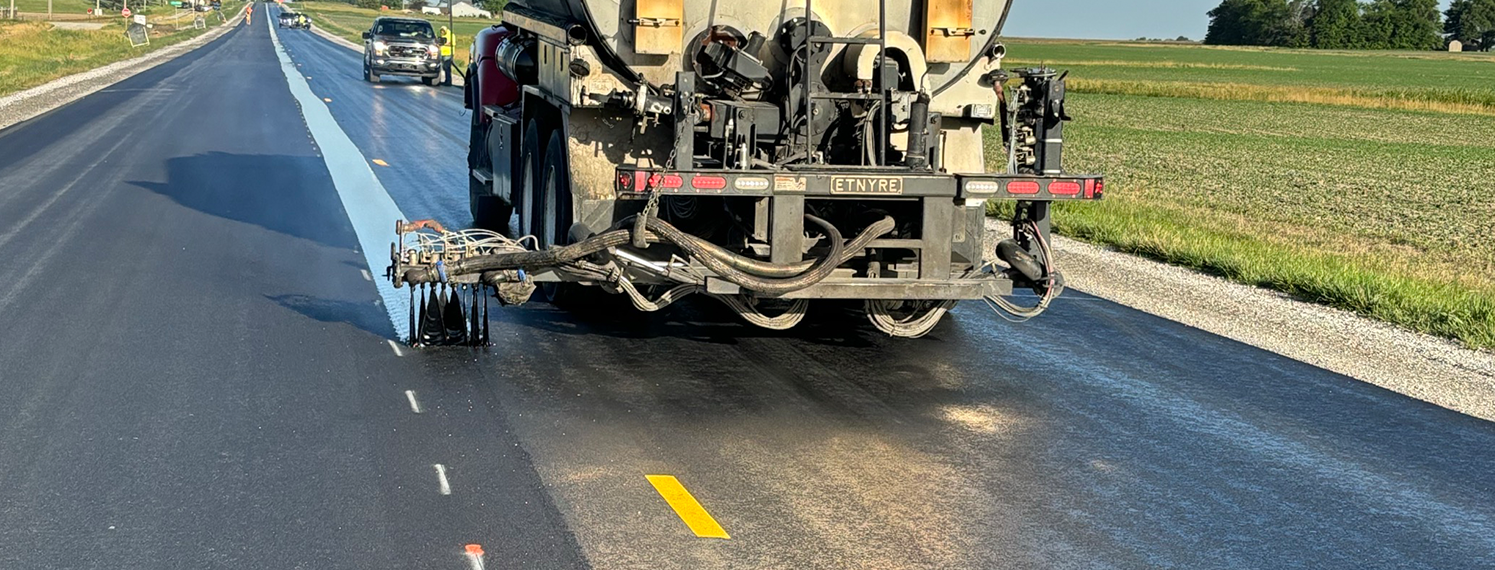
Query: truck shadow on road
{"type": "Point", "coordinates": [290, 195]}
{"type": "Point", "coordinates": [696, 319]}
{"type": "Point", "coordinates": [365, 316]}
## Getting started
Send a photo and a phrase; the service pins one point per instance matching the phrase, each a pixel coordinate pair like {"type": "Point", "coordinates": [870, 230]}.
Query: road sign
{"type": "Point", "coordinates": [138, 35]}
{"type": "Point", "coordinates": [125, 12]}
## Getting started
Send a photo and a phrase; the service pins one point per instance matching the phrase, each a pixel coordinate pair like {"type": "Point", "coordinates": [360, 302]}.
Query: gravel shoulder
{"type": "Point", "coordinates": [1428, 368]}
{"type": "Point", "coordinates": [22, 106]}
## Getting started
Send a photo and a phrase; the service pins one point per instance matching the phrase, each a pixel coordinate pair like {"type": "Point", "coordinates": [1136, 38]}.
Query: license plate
{"type": "Point", "coordinates": [867, 185]}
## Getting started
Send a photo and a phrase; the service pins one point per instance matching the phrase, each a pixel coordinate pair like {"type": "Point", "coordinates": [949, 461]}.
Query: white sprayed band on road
{"type": "Point", "coordinates": [370, 209]}
{"type": "Point", "coordinates": [395, 346]}
{"type": "Point", "coordinates": [414, 405]}
{"type": "Point", "coordinates": [446, 488]}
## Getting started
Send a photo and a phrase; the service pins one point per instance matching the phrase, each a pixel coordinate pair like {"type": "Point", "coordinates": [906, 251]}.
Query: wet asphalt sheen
{"type": "Point", "coordinates": [195, 373]}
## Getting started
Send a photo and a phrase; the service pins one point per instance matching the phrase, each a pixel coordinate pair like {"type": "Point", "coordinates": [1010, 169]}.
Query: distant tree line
{"type": "Point", "coordinates": [1471, 22]}
{"type": "Point", "coordinates": [1352, 24]}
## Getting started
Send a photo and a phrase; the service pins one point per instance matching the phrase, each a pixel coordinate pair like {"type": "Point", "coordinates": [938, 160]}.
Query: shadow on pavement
{"type": "Point", "coordinates": [366, 316]}
{"type": "Point", "coordinates": [697, 320]}
{"type": "Point", "coordinates": [291, 195]}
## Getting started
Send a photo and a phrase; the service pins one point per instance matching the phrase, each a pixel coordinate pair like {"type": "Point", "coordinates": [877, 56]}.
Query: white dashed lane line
{"type": "Point", "coordinates": [446, 486]}
{"type": "Point", "coordinates": [414, 405]}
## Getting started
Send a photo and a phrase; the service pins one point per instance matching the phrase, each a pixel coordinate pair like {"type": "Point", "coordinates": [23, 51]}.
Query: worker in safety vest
{"type": "Point", "coordinates": [249, 13]}
{"type": "Point", "coordinates": [447, 41]}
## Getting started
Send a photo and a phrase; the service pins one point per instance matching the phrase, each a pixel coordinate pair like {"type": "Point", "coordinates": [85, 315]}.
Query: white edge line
{"type": "Point", "coordinates": [396, 347]}
{"type": "Point", "coordinates": [446, 488]}
{"type": "Point", "coordinates": [368, 204]}
{"type": "Point", "coordinates": [414, 405]}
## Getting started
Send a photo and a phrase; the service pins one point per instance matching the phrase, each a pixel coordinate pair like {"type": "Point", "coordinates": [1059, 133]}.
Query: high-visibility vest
{"type": "Point", "coordinates": [446, 47]}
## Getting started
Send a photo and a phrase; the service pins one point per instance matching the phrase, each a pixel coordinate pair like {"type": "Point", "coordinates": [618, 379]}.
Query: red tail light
{"type": "Point", "coordinates": [1022, 187]}
{"type": "Point", "coordinates": [1064, 188]}
{"type": "Point", "coordinates": [708, 182]}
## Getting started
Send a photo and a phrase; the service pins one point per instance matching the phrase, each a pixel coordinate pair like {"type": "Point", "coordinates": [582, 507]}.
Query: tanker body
{"type": "Point", "coordinates": [766, 154]}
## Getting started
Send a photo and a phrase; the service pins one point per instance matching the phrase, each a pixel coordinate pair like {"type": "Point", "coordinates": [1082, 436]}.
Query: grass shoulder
{"type": "Point", "coordinates": [34, 53]}
{"type": "Point", "coordinates": [1376, 211]}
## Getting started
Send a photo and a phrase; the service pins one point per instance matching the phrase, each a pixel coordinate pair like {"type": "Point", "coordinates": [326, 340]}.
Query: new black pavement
{"type": "Point", "coordinates": [196, 374]}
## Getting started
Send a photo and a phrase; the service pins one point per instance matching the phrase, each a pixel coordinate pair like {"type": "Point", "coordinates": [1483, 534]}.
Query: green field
{"type": "Point", "coordinates": [33, 53]}
{"type": "Point", "coordinates": [348, 22]}
{"type": "Point", "coordinates": [1356, 202]}
{"type": "Point", "coordinates": [1407, 80]}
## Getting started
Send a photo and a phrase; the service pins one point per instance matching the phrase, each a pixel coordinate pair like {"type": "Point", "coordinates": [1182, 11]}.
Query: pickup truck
{"type": "Point", "coordinates": [401, 46]}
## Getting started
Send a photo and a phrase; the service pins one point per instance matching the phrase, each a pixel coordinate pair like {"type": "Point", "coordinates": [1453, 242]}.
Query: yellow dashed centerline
{"type": "Point", "coordinates": [380, 162]}
{"type": "Point", "coordinates": [686, 506]}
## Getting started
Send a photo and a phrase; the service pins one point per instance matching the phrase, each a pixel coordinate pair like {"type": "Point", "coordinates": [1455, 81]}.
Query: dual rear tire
{"type": "Point", "coordinates": [545, 210]}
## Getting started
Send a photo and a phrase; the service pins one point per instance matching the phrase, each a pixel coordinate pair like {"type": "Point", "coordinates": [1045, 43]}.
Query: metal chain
{"type": "Point", "coordinates": [652, 207]}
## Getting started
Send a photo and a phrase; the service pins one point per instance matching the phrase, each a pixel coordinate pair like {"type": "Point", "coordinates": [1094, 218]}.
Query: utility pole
{"type": "Point", "coordinates": [49, 9]}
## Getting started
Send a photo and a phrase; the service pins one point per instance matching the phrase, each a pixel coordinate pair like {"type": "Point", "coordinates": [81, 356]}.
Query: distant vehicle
{"type": "Point", "coordinates": [294, 21]}
{"type": "Point", "coordinates": [401, 46]}
{"type": "Point", "coordinates": [204, 8]}
{"type": "Point", "coordinates": [217, 5]}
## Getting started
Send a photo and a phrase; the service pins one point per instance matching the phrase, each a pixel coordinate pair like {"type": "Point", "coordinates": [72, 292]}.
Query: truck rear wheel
{"type": "Point", "coordinates": [555, 194]}
{"type": "Point", "coordinates": [525, 195]}
{"type": "Point", "coordinates": [554, 226]}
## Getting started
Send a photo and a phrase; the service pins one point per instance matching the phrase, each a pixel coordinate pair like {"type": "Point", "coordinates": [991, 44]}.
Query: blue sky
{"type": "Point", "coordinates": [1110, 19]}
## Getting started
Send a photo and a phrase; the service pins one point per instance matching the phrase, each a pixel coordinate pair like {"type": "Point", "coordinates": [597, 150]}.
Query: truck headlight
{"type": "Point", "coordinates": [379, 47]}
{"type": "Point", "coordinates": [432, 51]}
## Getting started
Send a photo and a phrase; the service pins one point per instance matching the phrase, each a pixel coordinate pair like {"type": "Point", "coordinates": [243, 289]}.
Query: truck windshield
{"type": "Point", "coordinates": [405, 29]}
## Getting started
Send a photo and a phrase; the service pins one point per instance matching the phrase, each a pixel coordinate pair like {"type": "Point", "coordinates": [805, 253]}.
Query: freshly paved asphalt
{"type": "Point", "coordinates": [195, 373]}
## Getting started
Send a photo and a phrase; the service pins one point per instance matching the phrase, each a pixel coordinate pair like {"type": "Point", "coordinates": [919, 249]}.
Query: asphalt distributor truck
{"type": "Point", "coordinates": [767, 154]}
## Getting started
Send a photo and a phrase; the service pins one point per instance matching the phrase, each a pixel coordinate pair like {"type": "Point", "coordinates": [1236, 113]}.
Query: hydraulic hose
{"type": "Point", "coordinates": [765, 269]}
{"type": "Point", "coordinates": [523, 259]}
{"type": "Point", "coordinates": [767, 286]}
{"type": "Point", "coordinates": [751, 274]}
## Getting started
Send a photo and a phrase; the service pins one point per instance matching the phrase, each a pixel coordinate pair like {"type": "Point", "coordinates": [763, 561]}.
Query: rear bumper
{"type": "Point", "coordinates": [944, 254]}
{"type": "Point", "coordinates": [857, 183]}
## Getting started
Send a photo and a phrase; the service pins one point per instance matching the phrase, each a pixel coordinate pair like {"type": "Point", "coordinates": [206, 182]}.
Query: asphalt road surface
{"type": "Point", "coordinates": [197, 373]}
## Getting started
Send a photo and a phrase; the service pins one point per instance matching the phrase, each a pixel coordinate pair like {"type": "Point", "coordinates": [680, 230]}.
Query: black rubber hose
{"type": "Point", "coordinates": [524, 259]}
{"type": "Point", "coordinates": [818, 273]}
{"type": "Point", "coordinates": [780, 279]}
{"type": "Point", "coordinates": [765, 269]}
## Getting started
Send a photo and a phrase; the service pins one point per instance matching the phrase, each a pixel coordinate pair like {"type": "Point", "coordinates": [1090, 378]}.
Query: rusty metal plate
{"type": "Point", "coordinates": [948, 32]}
{"type": "Point", "coordinates": [657, 26]}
